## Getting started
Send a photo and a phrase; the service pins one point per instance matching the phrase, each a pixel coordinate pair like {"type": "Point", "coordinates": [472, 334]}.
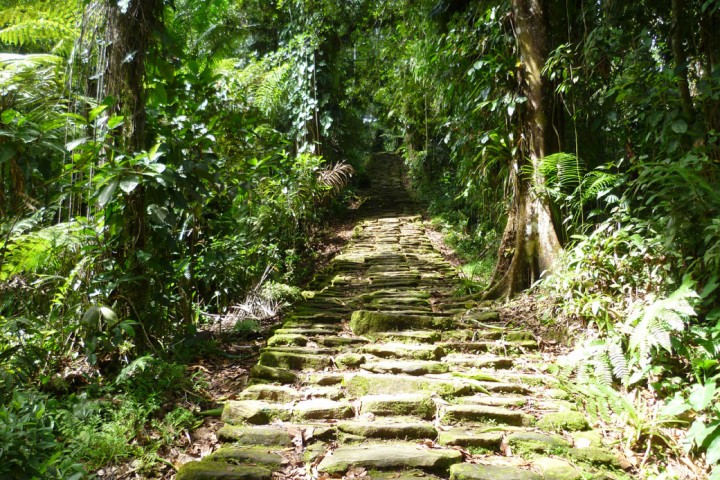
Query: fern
{"type": "Point", "coordinates": [42, 24]}
{"type": "Point", "coordinates": [271, 91]}
{"type": "Point", "coordinates": [653, 326]}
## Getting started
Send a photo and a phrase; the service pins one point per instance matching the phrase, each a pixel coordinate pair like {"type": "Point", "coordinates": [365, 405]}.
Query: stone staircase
{"type": "Point", "coordinates": [385, 374]}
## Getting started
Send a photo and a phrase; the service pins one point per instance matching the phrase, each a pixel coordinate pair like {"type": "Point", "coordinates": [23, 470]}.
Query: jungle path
{"type": "Point", "coordinates": [385, 374]}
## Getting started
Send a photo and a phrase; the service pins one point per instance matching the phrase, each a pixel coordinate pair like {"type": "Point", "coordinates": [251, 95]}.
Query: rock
{"type": "Point", "coordinates": [563, 421]}
{"type": "Point", "coordinates": [482, 361]}
{"type": "Point", "coordinates": [335, 341]}
{"type": "Point", "coordinates": [389, 430]}
{"type": "Point", "coordinates": [254, 411]}
{"type": "Point", "coordinates": [378, 384]}
{"type": "Point", "coordinates": [414, 404]}
{"type": "Point", "coordinates": [417, 367]}
{"type": "Point", "coordinates": [404, 350]}
{"type": "Point", "coordinates": [321, 408]}
{"type": "Point", "coordinates": [485, 414]}
{"type": "Point", "coordinates": [468, 471]}
{"type": "Point", "coordinates": [209, 470]}
{"type": "Point", "coordinates": [330, 392]}
{"type": "Point", "coordinates": [270, 393]}
{"type": "Point", "coordinates": [524, 442]}
{"type": "Point", "coordinates": [254, 435]}
{"type": "Point", "coordinates": [324, 379]}
{"type": "Point", "coordinates": [287, 339]}
{"type": "Point", "coordinates": [587, 439]}
{"type": "Point", "coordinates": [557, 394]}
{"type": "Point", "coordinates": [294, 361]}
{"type": "Point", "coordinates": [471, 438]}
{"type": "Point", "coordinates": [364, 321]}
{"type": "Point", "coordinates": [247, 454]}
{"type": "Point", "coordinates": [419, 336]}
{"type": "Point", "coordinates": [271, 374]}
{"type": "Point", "coordinates": [349, 360]}
{"type": "Point", "coordinates": [494, 401]}
{"type": "Point", "coordinates": [383, 456]}
{"type": "Point", "coordinates": [556, 469]}
{"type": "Point", "coordinates": [596, 456]}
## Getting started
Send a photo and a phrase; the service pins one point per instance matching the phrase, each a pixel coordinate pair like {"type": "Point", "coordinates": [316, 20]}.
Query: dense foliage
{"type": "Point", "coordinates": [157, 159]}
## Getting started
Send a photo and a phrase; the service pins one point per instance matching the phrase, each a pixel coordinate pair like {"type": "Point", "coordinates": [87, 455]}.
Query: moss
{"type": "Point", "coordinates": [563, 421]}
{"type": "Point", "coordinates": [294, 361]}
{"type": "Point", "coordinates": [287, 339]}
{"type": "Point", "coordinates": [212, 470]}
{"type": "Point", "coordinates": [271, 374]}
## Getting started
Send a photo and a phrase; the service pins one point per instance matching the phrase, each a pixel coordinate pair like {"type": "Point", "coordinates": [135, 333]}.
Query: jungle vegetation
{"type": "Point", "coordinates": [158, 159]}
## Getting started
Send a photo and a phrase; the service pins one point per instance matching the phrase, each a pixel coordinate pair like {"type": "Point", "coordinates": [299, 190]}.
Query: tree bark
{"type": "Point", "coordinates": [678, 36]}
{"type": "Point", "coordinates": [530, 243]}
{"type": "Point", "coordinates": [131, 33]}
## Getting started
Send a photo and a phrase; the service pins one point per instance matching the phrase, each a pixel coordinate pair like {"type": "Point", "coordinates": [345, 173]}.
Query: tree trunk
{"type": "Point", "coordinates": [131, 33]}
{"type": "Point", "coordinates": [678, 36]}
{"type": "Point", "coordinates": [530, 243]}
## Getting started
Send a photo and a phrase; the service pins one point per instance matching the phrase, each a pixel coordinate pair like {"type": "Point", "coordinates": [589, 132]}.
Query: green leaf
{"type": "Point", "coordinates": [115, 121]}
{"type": "Point", "coordinates": [679, 126]}
{"type": "Point", "coordinates": [713, 451]}
{"type": "Point", "coordinates": [702, 396]}
{"type": "Point", "coordinates": [108, 192]}
{"type": "Point", "coordinates": [9, 115]}
{"type": "Point", "coordinates": [129, 183]}
{"type": "Point", "coordinates": [76, 143]}
{"type": "Point", "coordinates": [96, 111]}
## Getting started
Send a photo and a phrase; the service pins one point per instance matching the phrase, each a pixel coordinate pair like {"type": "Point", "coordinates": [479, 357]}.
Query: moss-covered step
{"type": "Point", "coordinates": [255, 412]}
{"type": "Point", "coordinates": [386, 456]}
{"type": "Point", "coordinates": [411, 404]}
{"type": "Point", "coordinates": [404, 350]}
{"type": "Point", "coordinates": [270, 393]}
{"type": "Point", "coordinates": [322, 409]}
{"type": "Point", "coordinates": [254, 455]}
{"type": "Point", "coordinates": [557, 469]}
{"type": "Point", "coordinates": [217, 470]}
{"type": "Point", "coordinates": [494, 400]}
{"type": "Point", "coordinates": [338, 341]}
{"type": "Point", "coordinates": [389, 429]}
{"type": "Point", "coordinates": [533, 442]}
{"type": "Point", "coordinates": [485, 414]}
{"type": "Point", "coordinates": [294, 361]}
{"type": "Point", "coordinates": [469, 471]}
{"type": "Point", "coordinates": [407, 367]}
{"type": "Point", "coordinates": [366, 321]}
{"type": "Point", "coordinates": [411, 336]}
{"type": "Point", "coordinates": [479, 361]}
{"type": "Point", "coordinates": [489, 346]}
{"type": "Point", "coordinates": [359, 384]}
{"type": "Point", "coordinates": [285, 339]}
{"type": "Point", "coordinates": [272, 374]}
{"type": "Point", "coordinates": [568, 421]}
{"type": "Point", "coordinates": [487, 438]}
{"type": "Point", "coordinates": [255, 435]}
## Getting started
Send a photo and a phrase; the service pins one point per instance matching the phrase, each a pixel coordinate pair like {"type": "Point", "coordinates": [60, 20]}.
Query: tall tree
{"type": "Point", "coordinates": [131, 26]}
{"type": "Point", "coordinates": [529, 235]}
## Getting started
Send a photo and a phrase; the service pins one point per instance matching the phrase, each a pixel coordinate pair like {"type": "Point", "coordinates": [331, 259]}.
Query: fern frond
{"type": "Point", "coordinates": [336, 177]}
{"type": "Point", "coordinates": [271, 92]}
{"type": "Point", "coordinates": [597, 182]}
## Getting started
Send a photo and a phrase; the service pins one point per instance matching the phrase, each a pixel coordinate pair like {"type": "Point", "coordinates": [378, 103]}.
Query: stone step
{"type": "Point", "coordinates": [365, 321]}
{"type": "Point", "coordinates": [404, 350]}
{"type": "Point", "coordinates": [389, 429]}
{"type": "Point", "coordinates": [359, 384]}
{"type": "Point", "coordinates": [408, 367]}
{"type": "Point", "coordinates": [477, 471]}
{"type": "Point", "coordinates": [409, 404]}
{"type": "Point", "coordinates": [294, 361]}
{"type": "Point", "coordinates": [389, 456]}
{"type": "Point", "coordinates": [410, 336]}
{"type": "Point", "coordinates": [479, 361]}
{"type": "Point", "coordinates": [206, 469]}
{"type": "Point", "coordinates": [485, 414]}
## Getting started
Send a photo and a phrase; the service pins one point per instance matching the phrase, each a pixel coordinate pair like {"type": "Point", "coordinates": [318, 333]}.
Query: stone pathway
{"type": "Point", "coordinates": [385, 374]}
